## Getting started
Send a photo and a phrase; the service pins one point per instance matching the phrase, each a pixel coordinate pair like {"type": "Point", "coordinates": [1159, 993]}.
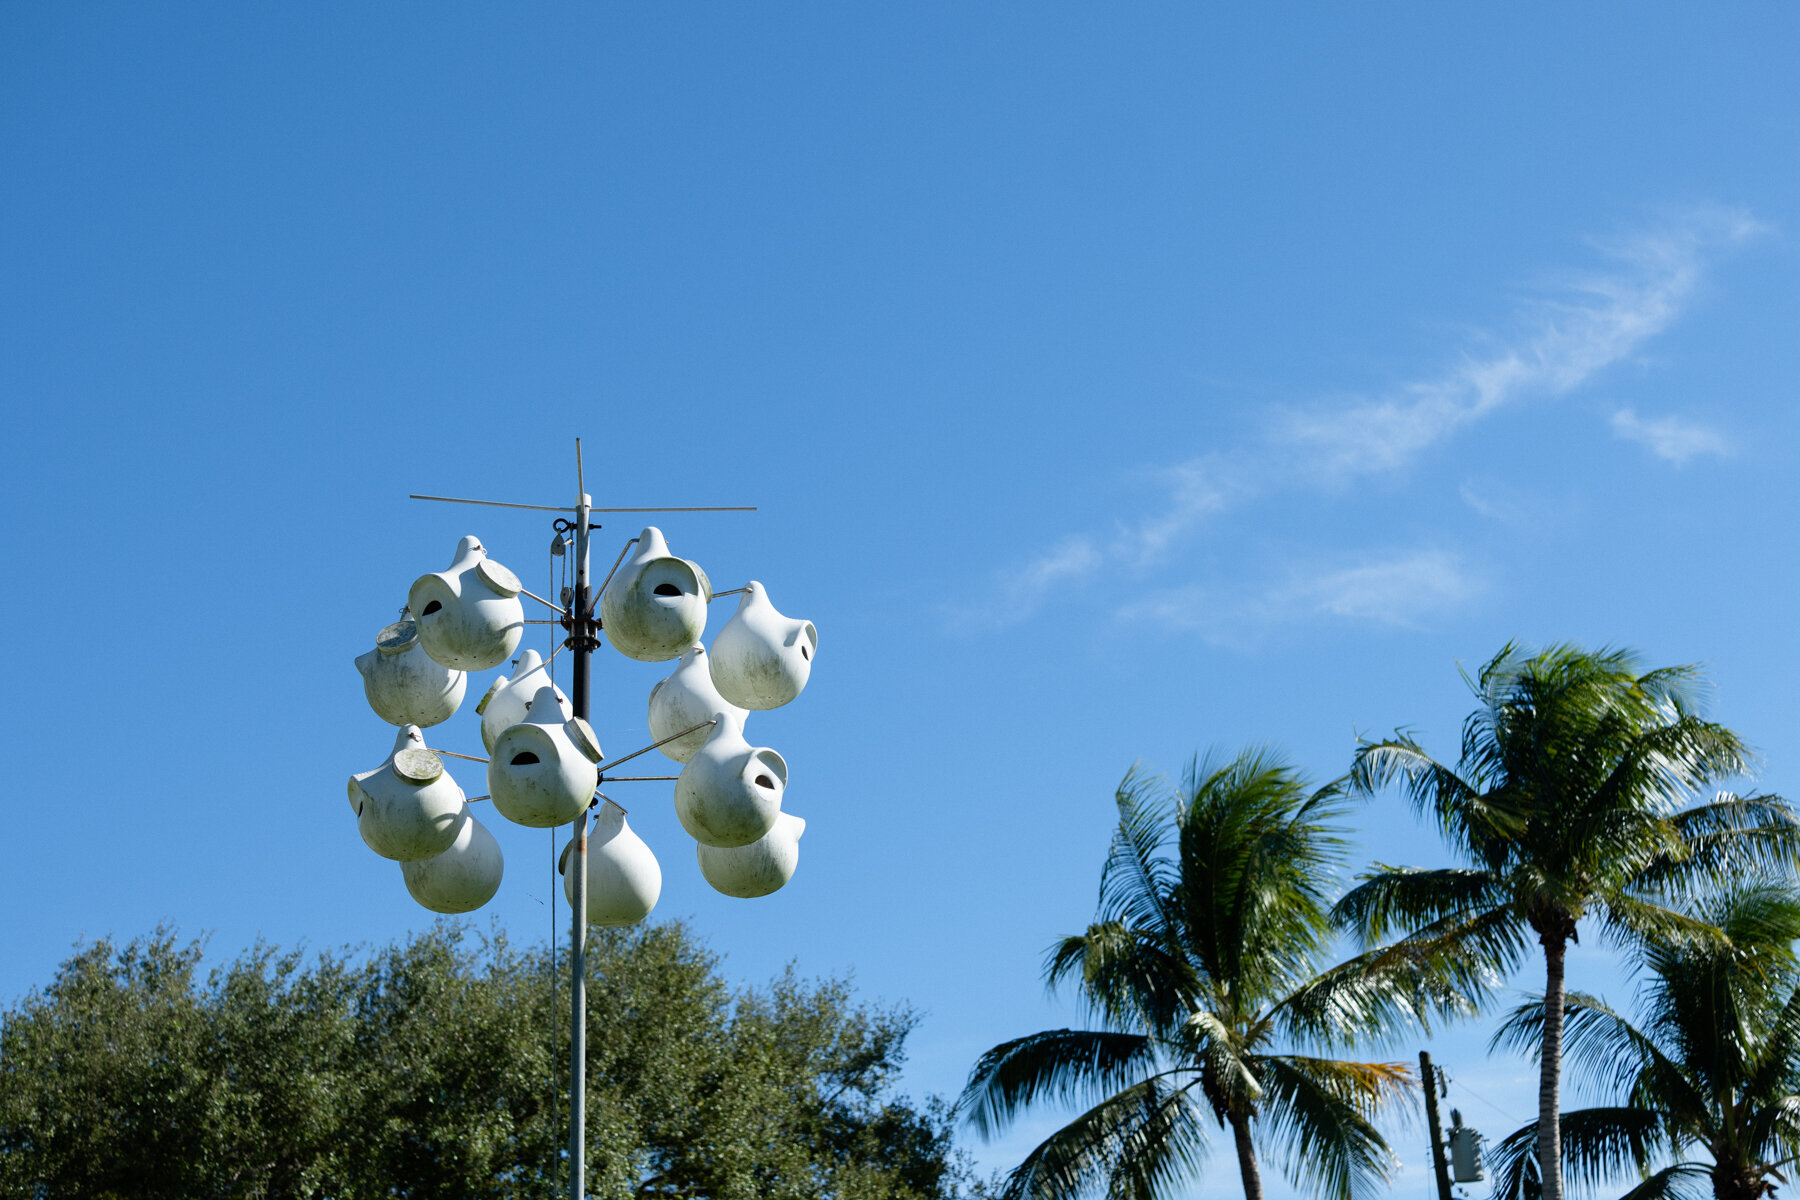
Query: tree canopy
{"type": "Point", "coordinates": [1702, 1094]}
{"type": "Point", "coordinates": [1207, 966]}
{"type": "Point", "coordinates": [1583, 792]}
{"type": "Point", "coordinates": [437, 1068]}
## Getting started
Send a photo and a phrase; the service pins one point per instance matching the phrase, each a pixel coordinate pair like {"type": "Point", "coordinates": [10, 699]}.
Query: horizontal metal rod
{"type": "Point", "coordinates": [454, 754]}
{"type": "Point", "coordinates": [559, 608]}
{"type": "Point", "coordinates": [635, 778]}
{"type": "Point", "coordinates": [653, 745]}
{"type": "Point", "coordinates": [543, 622]}
{"type": "Point", "coordinates": [489, 503]}
{"type": "Point", "coordinates": [704, 508]}
{"type": "Point", "coordinates": [732, 592]}
{"type": "Point", "coordinates": [611, 801]}
{"type": "Point", "coordinates": [559, 508]}
{"type": "Point", "coordinates": [473, 799]}
{"type": "Point", "coordinates": [601, 590]}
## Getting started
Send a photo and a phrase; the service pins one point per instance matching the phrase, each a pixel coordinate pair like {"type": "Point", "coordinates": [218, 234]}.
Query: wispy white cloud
{"type": "Point", "coordinates": [1495, 505]}
{"type": "Point", "coordinates": [1023, 588]}
{"type": "Point", "coordinates": [1402, 589]}
{"type": "Point", "coordinates": [1075, 556]}
{"type": "Point", "coordinates": [1671, 438]}
{"type": "Point", "coordinates": [1583, 324]}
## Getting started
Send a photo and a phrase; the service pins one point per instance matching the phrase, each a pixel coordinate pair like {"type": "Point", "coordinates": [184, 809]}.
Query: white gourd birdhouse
{"type": "Point", "coordinates": [729, 794]}
{"type": "Point", "coordinates": [507, 700]}
{"type": "Point", "coordinates": [462, 878]}
{"type": "Point", "coordinates": [408, 808]}
{"type": "Point", "coordinates": [624, 878]}
{"type": "Point", "coordinates": [469, 614]}
{"type": "Point", "coordinates": [655, 605]}
{"type": "Point", "coordinates": [542, 772]}
{"type": "Point", "coordinates": [762, 867]}
{"type": "Point", "coordinates": [405, 685]}
{"type": "Point", "coordinates": [762, 659]}
{"type": "Point", "coordinates": [685, 699]}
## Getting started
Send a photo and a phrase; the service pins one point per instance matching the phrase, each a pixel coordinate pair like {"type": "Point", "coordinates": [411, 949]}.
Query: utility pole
{"type": "Point", "coordinates": [1439, 1166]}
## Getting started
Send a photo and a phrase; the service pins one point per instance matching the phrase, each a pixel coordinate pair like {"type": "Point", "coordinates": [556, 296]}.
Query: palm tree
{"type": "Point", "coordinates": [1714, 1068]}
{"type": "Point", "coordinates": [1577, 796]}
{"type": "Point", "coordinates": [1202, 965]}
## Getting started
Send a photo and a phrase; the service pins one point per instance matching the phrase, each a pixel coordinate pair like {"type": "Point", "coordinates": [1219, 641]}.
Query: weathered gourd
{"type": "Point", "coordinates": [405, 685]}
{"type": "Point", "coordinates": [762, 867]}
{"type": "Point", "coordinates": [762, 659]}
{"type": "Point", "coordinates": [685, 699]}
{"type": "Point", "coordinates": [654, 607]}
{"type": "Point", "coordinates": [624, 878]}
{"type": "Point", "coordinates": [507, 700]}
{"type": "Point", "coordinates": [469, 614]}
{"type": "Point", "coordinates": [408, 808]}
{"type": "Point", "coordinates": [729, 794]}
{"type": "Point", "coordinates": [462, 878]}
{"type": "Point", "coordinates": [542, 771]}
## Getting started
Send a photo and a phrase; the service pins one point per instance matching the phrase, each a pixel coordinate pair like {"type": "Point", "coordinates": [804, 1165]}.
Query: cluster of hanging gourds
{"type": "Point", "coordinates": [543, 765]}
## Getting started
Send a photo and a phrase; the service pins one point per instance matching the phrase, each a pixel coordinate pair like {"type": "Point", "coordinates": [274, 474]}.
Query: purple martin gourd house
{"type": "Point", "coordinates": [405, 685]}
{"type": "Point", "coordinates": [545, 765]}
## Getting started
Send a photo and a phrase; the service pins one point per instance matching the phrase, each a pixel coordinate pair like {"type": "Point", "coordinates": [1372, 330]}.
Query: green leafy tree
{"type": "Point", "coordinates": [1204, 967]}
{"type": "Point", "coordinates": [1706, 1089]}
{"type": "Point", "coordinates": [437, 1067]}
{"type": "Point", "coordinates": [1583, 793]}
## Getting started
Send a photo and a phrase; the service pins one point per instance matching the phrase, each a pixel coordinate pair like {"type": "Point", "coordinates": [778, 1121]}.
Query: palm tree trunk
{"type": "Point", "coordinates": [1240, 1132]}
{"type": "Point", "coordinates": [1737, 1181]}
{"type": "Point", "coordinates": [1549, 1138]}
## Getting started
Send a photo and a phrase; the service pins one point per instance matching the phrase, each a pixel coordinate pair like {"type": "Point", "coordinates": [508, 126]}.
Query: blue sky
{"type": "Point", "coordinates": [1112, 383]}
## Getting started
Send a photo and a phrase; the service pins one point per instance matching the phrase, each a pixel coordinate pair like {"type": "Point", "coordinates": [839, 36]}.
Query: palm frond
{"type": "Point", "coordinates": [1773, 1130]}
{"type": "Point", "coordinates": [1682, 1181]}
{"type": "Point", "coordinates": [1067, 1065]}
{"type": "Point", "coordinates": [1677, 690]}
{"type": "Point", "coordinates": [1513, 1163]}
{"type": "Point", "coordinates": [1136, 881]}
{"type": "Point", "coordinates": [1665, 764]}
{"type": "Point", "coordinates": [1153, 1117]}
{"type": "Point", "coordinates": [1215, 1048]}
{"type": "Point", "coordinates": [1464, 954]}
{"type": "Point", "coordinates": [1634, 921]}
{"type": "Point", "coordinates": [1729, 838]}
{"type": "Point", "coordinates": [1377, 994]}
{"type": "Point", "coordinates": [1778, 1069]}
{"type": "Point", "coordinates": [1465, 814]}
{"type": "Point", "coordinates": [1254, 846]}
{"type": "Point", "coordinates": [1165, 1150]}
{"type": "Point", "coordinates": [1598, 1144]}
{"type": "Point", "coordinates": [1126, 976]}
{"type": "Point", "coordinates": [1392, 901]}
{"type": "Point", "coordinates": [1599, 1046]}
{"type": "Point", "coordinates": [1318, 1114]}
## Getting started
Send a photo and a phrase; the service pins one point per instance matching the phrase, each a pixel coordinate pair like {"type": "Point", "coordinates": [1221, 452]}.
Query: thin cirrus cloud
{"type": "Point", "coordinates": [1399, 589]}
{"type": "Point", "coordinates": [1671, 438]}
{"type": "Point", "coordinates": [1588, 322]}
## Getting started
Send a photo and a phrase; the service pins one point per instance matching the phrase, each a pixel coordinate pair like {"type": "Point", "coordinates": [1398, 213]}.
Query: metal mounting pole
{"type": "Point", "coordinates": [584, 638]}
{"type": "Point", "coordinates": [582, 641]}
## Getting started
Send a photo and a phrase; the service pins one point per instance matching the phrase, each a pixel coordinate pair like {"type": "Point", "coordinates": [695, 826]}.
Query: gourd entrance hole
{"type": "Point", "coordinates": [431, 608]}
{"type": "Point", "coordinates": [524, 758]}
{"type": "Point", "coordinates": [805, 653]}
{"type": "Point", "coordinates": [765, 781]}
{"type": "Point", "coordinates": [667, 589]}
